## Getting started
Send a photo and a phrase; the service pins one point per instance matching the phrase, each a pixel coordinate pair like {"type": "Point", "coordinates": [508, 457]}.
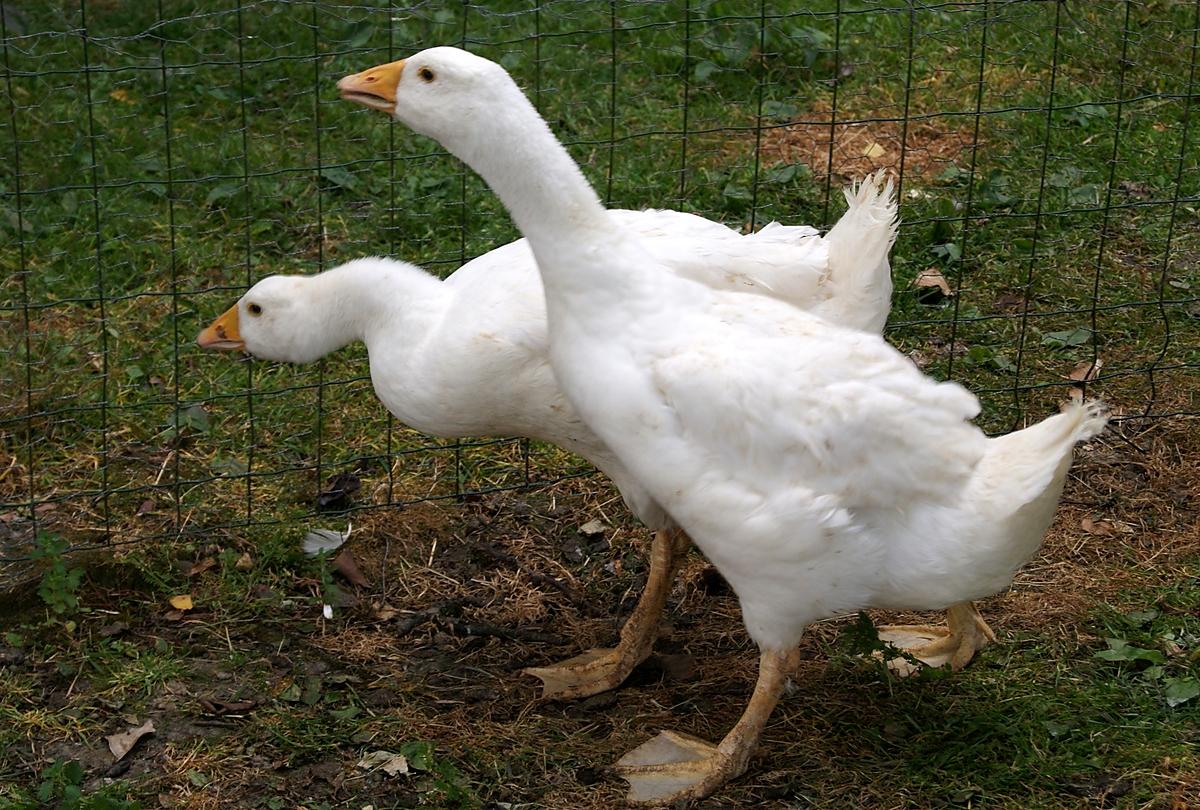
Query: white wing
{"type": "Point", "coordinates": [780, 402]}
{"type": "Point", "coordinates": [789, 262]}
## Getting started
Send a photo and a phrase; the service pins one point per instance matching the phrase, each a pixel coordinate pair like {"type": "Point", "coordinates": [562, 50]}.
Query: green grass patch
{"type": "Point", "coordinates": [178, 160]}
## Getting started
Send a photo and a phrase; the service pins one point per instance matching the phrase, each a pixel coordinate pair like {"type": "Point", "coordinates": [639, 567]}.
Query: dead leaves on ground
{"type": "Point", "coordinates": [932, 287]}
{"type": "Point", "coordinates": [339, 493]}
{"type": "Point", "coordinates": [345, 564]}
{"type": "Point", "coordinates": [226, 708]}
{"type": "Point", "coordinates": [1084, 372]}
{"type": "Point", "coordinates": [123, 742]}
{"type": "Point", "coordinates": [386, 761]}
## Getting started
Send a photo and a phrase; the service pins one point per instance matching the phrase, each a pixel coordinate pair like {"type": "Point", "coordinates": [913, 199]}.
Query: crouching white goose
{"type": "Point", "coordinates": [814, 465]}
{"type": "Point", "coordinates": [468, 356]}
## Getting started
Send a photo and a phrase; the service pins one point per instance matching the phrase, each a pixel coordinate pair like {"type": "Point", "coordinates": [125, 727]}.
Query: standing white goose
{"type": "Point", "coordinates": [815, 466]}
{"type": "Point", "coordinates": [468, 356]}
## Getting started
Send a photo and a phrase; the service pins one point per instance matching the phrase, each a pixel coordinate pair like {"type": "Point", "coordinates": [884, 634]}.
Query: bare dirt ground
{"type": "Point", "coordinates": [462, 597]}
{"type": "Point", "coordinates": [928, 146]}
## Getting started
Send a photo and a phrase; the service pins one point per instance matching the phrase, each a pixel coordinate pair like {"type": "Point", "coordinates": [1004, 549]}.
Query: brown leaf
{"type": "Point", "coordinates": [1010, 302]}
{"type": "Point", "coordinates": [1102, 527]}
{"type": "Point", "coordinates": [932, 286]}
{"type": "Point", "coordinates": [338, 492]}
{"type": "Point", "coordinates": [1086, 370]}
{"type": "Point", "coordinates": [874, 150]}
{"type": "Point", "coordinates": [121, 744]}
{"type": "Point", "coordinates": [147, 506]}
{"type": "Point", "coordinates": [218, 706]}
{"type": "Point", "coordinates": [181, 602]}
{"type": "Point", "coordinates": [244, 562]}
{"type": "Point", "coordinates": [593, 527]}
{"type": "Point", "coordinates": [386, 761]}
{"type": "Point", "coordinates": [200, 566]}
{"type": "Point", "coordinates": [1136, 188]}
{"type": "Point", "coordinates": [114, 629]}
{"type": "Point", "coordinates": [385, 612]}
{"type": "Point", "coordinates": [345, 565]}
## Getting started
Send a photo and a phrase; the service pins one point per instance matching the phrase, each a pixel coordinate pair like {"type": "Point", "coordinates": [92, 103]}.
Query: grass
{"type": "Point", "coordinates": [266, 171]}
{"type": "Point", "coordinates": [259, 700]}
{"type": "Point", "coordinates": [147, 198]}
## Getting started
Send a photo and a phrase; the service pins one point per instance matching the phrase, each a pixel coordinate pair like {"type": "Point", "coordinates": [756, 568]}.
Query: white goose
{"type": "Point", "coordinates": [815, 466]}
{"type": "Point", "coordinates": [468, 356]}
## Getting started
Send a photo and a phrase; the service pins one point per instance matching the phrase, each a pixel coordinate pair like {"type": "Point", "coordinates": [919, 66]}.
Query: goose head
{"type": "Point", "coordinates": [437, 93]}
{"type": "Point", "coordinates": [279, 318]}
{"type": "Point", "coordinates": [474, 109]}
{"type": "Point", "coordinates": [300, 319]}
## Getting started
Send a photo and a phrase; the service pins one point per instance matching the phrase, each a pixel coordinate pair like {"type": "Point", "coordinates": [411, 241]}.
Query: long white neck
{"type": "Point", "coordinates": [532, 173]}
{"type": "Point", "coordinates": [377, 301]}
{"type": "Point", "coordinates": [549, 199]}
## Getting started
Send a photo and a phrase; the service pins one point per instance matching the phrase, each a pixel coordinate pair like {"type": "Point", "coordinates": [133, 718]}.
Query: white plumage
{"type": "Point", "coordinates": [468, 356]}
{"type": "Point", "coordinates": [816, 467]}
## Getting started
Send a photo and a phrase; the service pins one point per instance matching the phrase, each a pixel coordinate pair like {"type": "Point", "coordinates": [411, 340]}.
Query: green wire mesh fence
{"type": "Point", "coordinates": [158, 158]}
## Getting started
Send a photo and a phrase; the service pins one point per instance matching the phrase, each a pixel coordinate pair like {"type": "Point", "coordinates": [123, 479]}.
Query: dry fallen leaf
{"type": "Point", "coordinates": [200, 566]}
{"type": "Point", "coordinates": [932, 286]}
{"type": "Point", "coordinates": [1086, 370]}
{"type": "Point", "coordinates": [874, 150]}
{"type": "Point", "coordinates": [345, 565]}
{"type": "Point", "coordinates": [1101, 527]}
{"type": "Point", "coordinates": [182, 602]}
{"type": "Point", "coordinates": [386, 761]}
{"type": "Point", "coordinates": [385, 612]}
{"type": "Point", "coordinates": [244, 562]}
{"type": "Point", "coordinates": [121, 744]}
{"type": "Point", "coordinates": [1009, 302]}
{"type": "Point", "coordinates": [593, 527]}
{"type": "Point", "coordinates": [218, 706]}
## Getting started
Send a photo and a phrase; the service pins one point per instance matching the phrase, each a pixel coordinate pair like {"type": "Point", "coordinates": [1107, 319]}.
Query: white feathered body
{"type": "Point", "coordinates": [816, 467]}
{"type": "Point", "coordinates": [468, 356]}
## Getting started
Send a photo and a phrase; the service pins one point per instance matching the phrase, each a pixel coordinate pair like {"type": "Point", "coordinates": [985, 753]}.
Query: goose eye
{"type": "Point", "coordinates": [254, 309]}
{"type": "Point", "coordinates": [426, 74]}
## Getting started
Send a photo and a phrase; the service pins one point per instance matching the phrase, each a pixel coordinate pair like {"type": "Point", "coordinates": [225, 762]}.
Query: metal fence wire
{"type": "Point", "coordinates": [160, 157]}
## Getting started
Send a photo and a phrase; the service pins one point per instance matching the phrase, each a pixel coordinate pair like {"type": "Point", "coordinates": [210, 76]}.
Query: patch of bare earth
{"type": "Point", "coordinates": [461, 597]}
{"type": "Point", "coordinates": [926, 147]}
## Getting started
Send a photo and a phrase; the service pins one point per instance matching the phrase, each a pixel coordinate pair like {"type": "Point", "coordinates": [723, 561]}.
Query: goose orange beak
{"type": "Point", "coordinates": [374, 87]}
{"type": "Point", "coordinates": [222, 334]}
